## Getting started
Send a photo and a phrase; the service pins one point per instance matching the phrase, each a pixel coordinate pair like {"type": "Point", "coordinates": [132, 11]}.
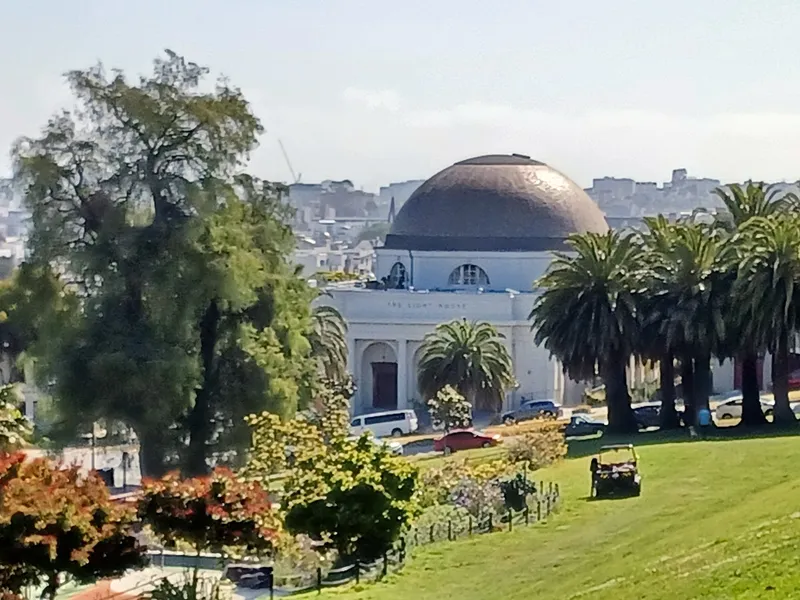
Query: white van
{"type": "Point", "coordinates": [383, 424]}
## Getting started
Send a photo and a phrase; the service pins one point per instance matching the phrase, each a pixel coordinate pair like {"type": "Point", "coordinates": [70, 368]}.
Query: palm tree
{"type": "Point", "coordinates": [745, 203]}
{"type": "Point", "coordinates": [690, 278]}
{"type": "Point", "coordinates": [654, 305]}
{"type": "Point", "coordinates": [471, 357]}
{"type": "Point", "coordinates": [769, 288]}
{"type": "Point", "coordinates": [328, 339]}
{"type": "Point", "coordinates": [586, 315]}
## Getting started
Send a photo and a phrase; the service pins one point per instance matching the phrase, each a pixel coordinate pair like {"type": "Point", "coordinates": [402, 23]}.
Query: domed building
{"type": "Point", "coordinates": [468, 243]}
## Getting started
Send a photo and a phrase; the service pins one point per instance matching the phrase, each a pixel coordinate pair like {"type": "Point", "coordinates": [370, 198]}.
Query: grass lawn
{"type": "Point", "coordinates": [717, 519]}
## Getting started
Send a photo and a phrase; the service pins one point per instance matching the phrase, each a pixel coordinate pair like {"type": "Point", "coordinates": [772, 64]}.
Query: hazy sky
{"type": "Point", "coordinates": [381, 91]}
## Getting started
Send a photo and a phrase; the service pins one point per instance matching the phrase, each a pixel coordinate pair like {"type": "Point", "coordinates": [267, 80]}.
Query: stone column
{"type": "Point", "coordinates": [402, 373]}
{"type": "Point", "coordinates": [573, 392]}
{"type": "Point", "coordinates": [352, 368]}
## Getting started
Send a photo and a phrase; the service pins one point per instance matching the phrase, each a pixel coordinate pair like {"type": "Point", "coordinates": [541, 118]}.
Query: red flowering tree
{"type": "Point", "coordinates": [217, 513]}
{"type": "Point", "coordinates": [56, 522]}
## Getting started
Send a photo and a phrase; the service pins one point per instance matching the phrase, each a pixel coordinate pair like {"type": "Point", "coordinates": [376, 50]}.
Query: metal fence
{"type": "Point", "coordinates": [540, 506]}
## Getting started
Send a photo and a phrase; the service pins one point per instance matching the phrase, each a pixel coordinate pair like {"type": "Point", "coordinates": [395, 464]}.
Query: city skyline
{"type": "Point", "coordinates": [380, 92]}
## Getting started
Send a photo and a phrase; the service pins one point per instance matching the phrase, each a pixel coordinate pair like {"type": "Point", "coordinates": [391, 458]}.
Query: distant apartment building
{"type": "Point", "coordinates": [400, 191]}
{"type": "Point", "coordinates": [336, 257]}
{"type": "Point", "coordinates": [623, 197]}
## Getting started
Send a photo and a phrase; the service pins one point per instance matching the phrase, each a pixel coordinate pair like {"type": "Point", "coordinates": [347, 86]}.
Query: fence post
{"type": "Point", "coordinates": [416, 536]}
{"type": "Point", "coordinates": [469, 525]}
{"type": "Point", "coordinates": [527, 515]}
{"type": "Point", "coordinates": [510, 520]}
{"type": "Point", "coordinates": [402, 550]}
{"type": "Point", "coordinates": [271, 586]}
{"type": "Point", "coordinates": [541, 488]}
{"type": "Point", "coordinates": [358, 571]}
{"type": "Point", "coordinates": [491, 523]}
{"type": "Point", "coordinates": [385, 564]}
{"type": "Point", "coordinates": [558, 492]}
{"type": "Point", "coordinates": [319, 580]}
{"type": "Point", "coordinates": [431, 533]}
{"type": "Point", "coordinates": [551, 488]}
{"type": "Point", "coordinates": [449, 530]}
{"type": "Point", "coordinates": [538, 510]}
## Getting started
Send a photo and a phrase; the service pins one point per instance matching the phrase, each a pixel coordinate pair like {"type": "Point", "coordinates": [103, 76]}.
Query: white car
{"type": "Point", "coordinates": [392, 446]}
{"type": "Point", "coordinates": [732, 409]}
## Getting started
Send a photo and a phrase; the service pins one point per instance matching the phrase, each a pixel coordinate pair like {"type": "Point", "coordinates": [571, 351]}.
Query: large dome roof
{"type": "Point", "coordinates": [495, 203]}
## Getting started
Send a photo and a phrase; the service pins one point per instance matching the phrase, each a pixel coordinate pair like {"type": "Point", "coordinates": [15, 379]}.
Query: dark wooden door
{"type": "Point", "coordinates": [384, 385]}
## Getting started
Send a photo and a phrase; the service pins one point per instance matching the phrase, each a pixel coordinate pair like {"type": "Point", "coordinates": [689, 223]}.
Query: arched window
{"type": "Point", "coordinates": [397, 276]}
{"type": "Point", "coordinates": [468, 275]}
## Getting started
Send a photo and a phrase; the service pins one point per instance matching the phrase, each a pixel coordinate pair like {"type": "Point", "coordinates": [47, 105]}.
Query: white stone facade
{"type": "Point", "coordinates": [386, 327]}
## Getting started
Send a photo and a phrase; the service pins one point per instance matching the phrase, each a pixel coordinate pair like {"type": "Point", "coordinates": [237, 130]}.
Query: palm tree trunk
{"type": "Point", "coordinates": [780, 381]}
{"type": "Point", "coordinates": [668, 415]}
{"type": "Point", "coordinates": [752, 414]}
{"type": "Point", "coordinates": [620, 415]}
{"type": "Point", "coordinates": [702, 380]}
{"type": "Point", "coordinates": [687, 384]}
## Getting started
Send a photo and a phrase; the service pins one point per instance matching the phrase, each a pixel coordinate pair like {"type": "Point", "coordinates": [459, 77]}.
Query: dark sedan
{"type": "Point", "coordinates": [649, 414]}
{"type": "Point", "coordinates": [580, 425]}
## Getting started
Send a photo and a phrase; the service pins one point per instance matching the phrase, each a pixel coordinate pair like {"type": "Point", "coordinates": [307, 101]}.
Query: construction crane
{"type": "Point", "coordinates": [289, 163]}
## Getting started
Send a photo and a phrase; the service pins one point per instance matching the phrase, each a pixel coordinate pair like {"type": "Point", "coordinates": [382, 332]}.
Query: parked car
{"type": "Point", "coordinates": [732, 409]}
{"type": "Point", "coordinates": [794, 380]}
{"type": "Point", "coordinates": [580, 425]}
{"type": "Point", "coordinates": [465, 439]}
{"type": "Point", "coordinates": [647, 415]}
{"type": "Point", "coordinates": [392, 446]}
{"type": "Point", "coordinates": [532, 409]}
{"type": "Point", "coordinates": [388, 423]}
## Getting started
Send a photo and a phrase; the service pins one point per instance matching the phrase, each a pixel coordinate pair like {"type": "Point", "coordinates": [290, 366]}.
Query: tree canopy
{"type": "Point", "coordinates": [192, 315]}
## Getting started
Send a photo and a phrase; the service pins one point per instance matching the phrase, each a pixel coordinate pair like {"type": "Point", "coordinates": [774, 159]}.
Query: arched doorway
{"type": "Point", "coordinates": [379, 375]}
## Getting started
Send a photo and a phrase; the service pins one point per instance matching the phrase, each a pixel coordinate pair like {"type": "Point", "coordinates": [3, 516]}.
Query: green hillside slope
{"type": "Point", "coordinates": [717, 519]}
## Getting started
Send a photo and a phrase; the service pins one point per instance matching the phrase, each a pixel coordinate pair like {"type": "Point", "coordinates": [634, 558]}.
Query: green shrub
{"type": "Point", "coordinates": [539, 447]}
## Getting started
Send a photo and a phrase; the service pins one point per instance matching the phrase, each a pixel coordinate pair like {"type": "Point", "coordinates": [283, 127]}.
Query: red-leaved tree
{"type": "Point", "coordinates": [55, 522]}
{"type": "Point", "coordinates": [218, 513]}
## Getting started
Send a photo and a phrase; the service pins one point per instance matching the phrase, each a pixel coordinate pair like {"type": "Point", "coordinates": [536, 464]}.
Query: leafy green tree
{"type": "Point", "coordinates": [356, 498]}
{"type": "Point", "coordinates": [586, 315]}
{"type": "Point", "coordinates": [55, 523]}
{"type": "Point", "coordinates": [744, 203]}
{"type": "Point", "coordinates": [192, 315]}
{"type": "Point", "coordinates": [34, 303]}
{"type": "Point", "coordinates": [767, 288]}
{"type": "Point", "coordinates": [14, 427]}
{"type": "Point", "coordinates": [331, 408]}
{"type": "Point", "coordinates": [470, 356]}
{"type": "Point", "coordinates": [450, 409]}
{"type": "Point", "coordinates": [376, 231]}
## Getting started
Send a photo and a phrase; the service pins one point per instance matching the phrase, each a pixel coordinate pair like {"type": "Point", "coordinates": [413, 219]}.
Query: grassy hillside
{"type": "Point", "coordinates": [717, 519]}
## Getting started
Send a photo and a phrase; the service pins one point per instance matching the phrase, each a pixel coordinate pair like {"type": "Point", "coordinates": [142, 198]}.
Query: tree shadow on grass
{"type": "Point", "coordinates": [579, 448]}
